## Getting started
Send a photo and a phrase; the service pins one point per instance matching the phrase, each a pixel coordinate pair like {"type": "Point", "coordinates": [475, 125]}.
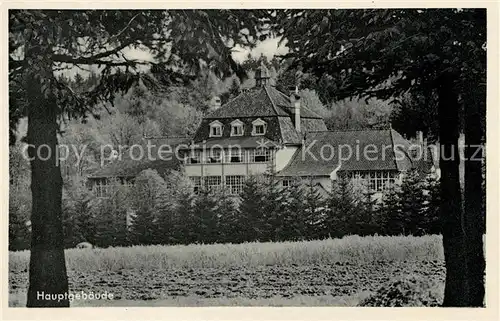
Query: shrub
{"type": "Point", "coordinates": [409, 291]}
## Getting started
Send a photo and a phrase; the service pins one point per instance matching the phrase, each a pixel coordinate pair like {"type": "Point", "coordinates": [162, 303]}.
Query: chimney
{"type": "Point", "coordinates": [295, 106]}
{"type": "Point", "coordinates": [216, 103]}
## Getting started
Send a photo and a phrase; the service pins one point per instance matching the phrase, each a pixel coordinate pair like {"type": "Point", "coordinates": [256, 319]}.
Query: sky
{"type": "Point", "coordinates": [269, 48]}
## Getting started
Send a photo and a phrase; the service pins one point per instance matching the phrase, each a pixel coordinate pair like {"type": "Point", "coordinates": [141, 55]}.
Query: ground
{"type": "Point", "coordinates": [316, 273]}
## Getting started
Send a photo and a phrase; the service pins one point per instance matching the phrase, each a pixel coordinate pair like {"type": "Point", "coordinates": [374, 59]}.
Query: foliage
{"type": "Point", "coordinates": [343, 206]}
{"type": "Point", "coordinates": [251, 215]}
{"type": "Point", "coordinates": [111, 219]}
{"type": "Point", "coordinates": [79, 224]}
{"type": "Point", "coordinates": [409, 291]}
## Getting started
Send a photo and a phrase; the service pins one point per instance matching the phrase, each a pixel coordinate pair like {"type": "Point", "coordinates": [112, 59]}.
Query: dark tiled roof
{"type": "Point", "coordinates": [312, 125]}
{"type": "Point", "coordinates": [308, 161]}
{"type": "Point", "coordinates": [268, 104]}
{"type": "Point", "coordinates": [273, 131]}
{"type": "Point", "coordinates": [259, 102]}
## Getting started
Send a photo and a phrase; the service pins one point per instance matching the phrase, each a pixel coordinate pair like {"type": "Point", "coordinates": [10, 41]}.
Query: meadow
{"type": "Point", "coordinates": [324, 272]}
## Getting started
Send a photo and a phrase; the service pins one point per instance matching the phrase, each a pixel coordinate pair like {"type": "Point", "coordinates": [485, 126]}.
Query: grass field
{"type": "Point", "coordinates": [327, 272]}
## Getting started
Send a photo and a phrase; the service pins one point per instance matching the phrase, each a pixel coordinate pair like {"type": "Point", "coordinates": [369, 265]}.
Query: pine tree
{"type": "Point", "coordinates": [431, 220]}
{"type": "Point", "coordinates": [388, 216]}
{"type": "Point", "coordinates": [111, 220]}
{"type": "Point", "coordinates": [365, 224]}
{"type": "Point", "coordinates": [184, 219]}
{"type": "Point", "coordinates": [314, 211]}
{"type": "Point", "coordinates": [228, 218]}
{"type": "Point", "coordinates": [147, 201]}
{"type": "Point", "coordinates": [412, 203]}
{"type": "Point", "coordinates": [205, 214]}
{"type": "Point", "coordinates": [342, 209]}
{"type": "Point", "coordinates": [294, 218]}
{"type": "Point", "coordinates": [249, 226]}
{"type": "Point", "coordinates": [273, 207]}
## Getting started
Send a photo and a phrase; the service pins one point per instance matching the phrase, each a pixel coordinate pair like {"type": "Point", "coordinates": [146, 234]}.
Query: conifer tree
{"type": "Point", "coordinates": [111, 219]}
{"type": "Point", "coordinates": [184, 219]}
{"type": "Point", "coordinates": [146, 201]}
{"type": "Point", "coordinates": [294, 218]}
{"type": "Point", "coordinates": [205, 215]}
{"type": "Point", "coordinates": [365, 223]}
{"type": "Point", "coordinates": [228, 218]}
{"type": "Point", "coordinates": [314, 211]}
{"type": "Point", "coordinates": [273, 207]}
{"type": "Point", "coordinates": [388, 216]}
{"type": "Point", "coordinates": [431, 220]}
{"type": "Point", "coordinates": [342, 209]}
{"type": "Point", "coordinates": [249, 226]}
{"type": "Point", "coordinates": [412, 203]}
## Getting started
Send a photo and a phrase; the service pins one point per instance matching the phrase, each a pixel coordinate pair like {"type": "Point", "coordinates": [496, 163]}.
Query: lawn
{"type": "Point", "coordinates": [333, 272]}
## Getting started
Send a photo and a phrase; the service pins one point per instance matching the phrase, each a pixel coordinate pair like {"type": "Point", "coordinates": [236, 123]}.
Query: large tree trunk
{"type": "Point", "coordinates": [474, 218]}
{"type": "Point", "coordinates": [455, 294]}
{"type": "Point", "coordinates": [47, 273]}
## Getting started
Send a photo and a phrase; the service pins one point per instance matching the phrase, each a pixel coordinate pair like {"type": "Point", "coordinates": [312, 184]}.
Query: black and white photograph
{"type": "Point", "coordinates": [247, 157]}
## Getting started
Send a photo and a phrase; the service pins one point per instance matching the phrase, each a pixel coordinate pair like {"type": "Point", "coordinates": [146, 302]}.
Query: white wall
{"type": "Point", "coordinates": [283, 157]}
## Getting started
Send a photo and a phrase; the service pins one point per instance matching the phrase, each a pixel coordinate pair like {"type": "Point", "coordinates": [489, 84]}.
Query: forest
{"type": "Point", "coordinates": [418, 69]}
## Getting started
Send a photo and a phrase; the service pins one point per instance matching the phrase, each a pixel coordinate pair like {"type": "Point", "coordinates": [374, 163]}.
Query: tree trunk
{"type": "Point", "coordinates": [451, 211]}
{"type": "Point", "coordinates": [474, 218]}
{"type": "Point", "coordinates": [47, 274]}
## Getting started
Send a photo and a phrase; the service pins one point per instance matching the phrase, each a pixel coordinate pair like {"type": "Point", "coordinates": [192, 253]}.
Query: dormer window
{"type": "Point", "coordinates": [259, 127]}
{"type": "Point", "coordinates": [237, 128]}
{"type": "Point", "coordinates": [216, 129]}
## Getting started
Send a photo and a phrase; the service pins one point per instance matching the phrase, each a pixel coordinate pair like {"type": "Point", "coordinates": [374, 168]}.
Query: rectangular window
{"type": "Point", "coordinates": [194, 158]}
{"type": "Point", "coordinates": [376, 181]}
{"type": "Point", "coordinates": [237, 130]}
{"type": "Point", "coordinates": [260, 155]}
{"type": "Point", "coordinates": [235, 156]}
{"type": "Point", "coordinates": [213, 182]}
{"type": "Point", "coordinates": [196, 182]}
{"type": "Point", "coordinates": [234, 184]}
{"type": "Point", "coordinates": [216, 131]}
{"type": "Point", "coordinates": [259, 129]}
{"type": "Point", "coordinates": [287, 182]}
{"type": "Point", "coordinates": [215, 156]}
{"type": "Point", "coordinates": [102, 188]}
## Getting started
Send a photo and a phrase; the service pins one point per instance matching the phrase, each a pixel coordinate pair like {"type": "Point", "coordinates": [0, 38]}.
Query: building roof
{"type": "Point", "coordinates": [359, 150]}
{"type": "Point", "coordinates": [268, 104]}
{"type": "Point", "coordinates": [129, 164]}
{"type": "Point", "coordinates": [260, 102]}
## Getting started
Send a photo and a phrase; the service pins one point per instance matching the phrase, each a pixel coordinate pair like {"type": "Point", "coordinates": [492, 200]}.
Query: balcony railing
{"type": "Point", "coordinates": [245, 157]}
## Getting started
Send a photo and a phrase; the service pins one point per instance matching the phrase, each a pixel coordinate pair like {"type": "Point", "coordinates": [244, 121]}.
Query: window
{"type": "Point", "coordinates": [103, 188]}
{"type": "Point", "coordinates": [235, 156]}
{"type": "Point", "coordinates": [377, 181]}
{"type": "Point", "coordinates": [236, 128]}
{"type": "Point", "coordinates": [234, 184]}
{"type": "Point", "coordinates": [216, 129]}
{"type": "Point", "coordinates": [194, 158]}
{"type": "Point", "coordinates": [215, 156]}
{"type": "Point", "coordinates": [260, 155]}
{"type": "Point", "coordinates": [196, 182]}
{"type": "Point", "coordinates": [259, 127]}
{"type": "Point", "coordinates": [213, 182]}
{"type": "Point", "coordinates": [287, 182]}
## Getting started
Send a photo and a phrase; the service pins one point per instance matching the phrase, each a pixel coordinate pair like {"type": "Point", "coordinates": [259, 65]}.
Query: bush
{"type": "Point", "coordinates": [409, 291]}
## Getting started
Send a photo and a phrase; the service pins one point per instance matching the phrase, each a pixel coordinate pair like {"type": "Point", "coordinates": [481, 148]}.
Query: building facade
{"type": "Point", "coordinates": [264, 130]}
